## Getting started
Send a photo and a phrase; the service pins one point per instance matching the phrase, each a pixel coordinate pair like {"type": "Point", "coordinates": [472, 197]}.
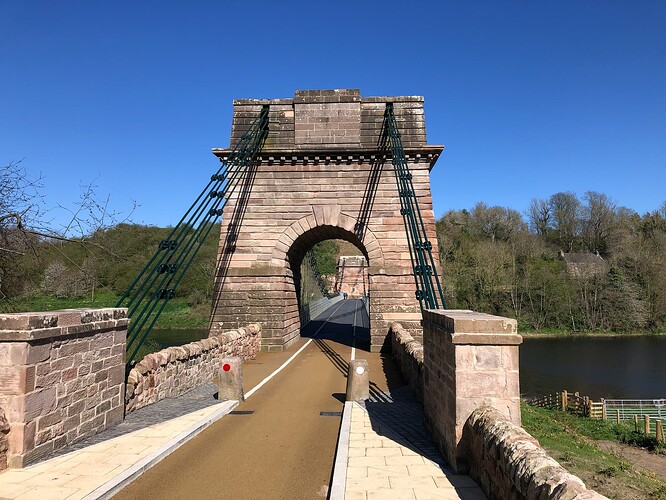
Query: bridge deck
{"type": "Point", "coordinates": [281, 442]}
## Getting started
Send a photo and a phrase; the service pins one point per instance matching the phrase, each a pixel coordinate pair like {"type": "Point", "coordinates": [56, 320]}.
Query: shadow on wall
{"type": "Point", "coordinates": [369, 195]}
{"type": "Point", "coordinates": [233, 229]}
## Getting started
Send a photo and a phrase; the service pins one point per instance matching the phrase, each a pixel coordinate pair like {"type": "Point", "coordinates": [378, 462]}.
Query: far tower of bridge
{"type": "Point", "coordinates": [352, 276]}
{"type": "Point", "coordinates": [321, 175]}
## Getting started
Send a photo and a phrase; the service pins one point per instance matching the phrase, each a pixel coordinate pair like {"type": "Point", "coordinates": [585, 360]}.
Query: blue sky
{"type": "Point", "coordinates": [529, 97]}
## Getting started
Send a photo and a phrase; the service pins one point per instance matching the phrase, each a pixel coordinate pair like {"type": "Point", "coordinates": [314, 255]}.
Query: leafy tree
{"type": "Point", "coordinates": [540, 216]}
{"type": "Point", "coordinates": [599, 221]}
{"type": "Point", "coordinates": [566, 208]}
{"type": "Point", "coordinates": [326, 253]}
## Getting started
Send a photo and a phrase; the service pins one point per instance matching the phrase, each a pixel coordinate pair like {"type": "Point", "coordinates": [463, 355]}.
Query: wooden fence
{"type": "Point", "coordinates": [570, 401]}
{"type": "Point", "coordinates": [646, 414]}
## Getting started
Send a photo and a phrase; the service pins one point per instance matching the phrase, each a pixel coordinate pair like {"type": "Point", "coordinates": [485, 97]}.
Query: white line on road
{"type": "Point", "coordinates": [283, 366]}
{"type": "Point", "coordinates": [353, 353]}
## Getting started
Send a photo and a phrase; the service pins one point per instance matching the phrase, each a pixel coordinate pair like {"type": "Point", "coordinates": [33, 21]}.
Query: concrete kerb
{"type": "Point", "coordinates": [110, 488]}
{"type": "Point", "coordinates": [339, 482]}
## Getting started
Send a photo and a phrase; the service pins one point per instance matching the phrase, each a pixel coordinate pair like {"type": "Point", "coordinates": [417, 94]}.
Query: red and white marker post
{"type": "Point", "coordinates": [229, 379]}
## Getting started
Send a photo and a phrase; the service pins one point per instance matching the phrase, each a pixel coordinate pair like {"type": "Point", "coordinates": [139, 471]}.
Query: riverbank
{"type": "Point", "coordinates": [593, 333]}
{"type": "Point", "coordinates": [581, 446]}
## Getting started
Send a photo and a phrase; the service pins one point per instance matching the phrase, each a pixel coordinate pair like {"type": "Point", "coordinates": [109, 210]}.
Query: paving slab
{"type": "Point", "coordinates": [385, 451]}
{"type": "Point", "coordinates": [99, 469]}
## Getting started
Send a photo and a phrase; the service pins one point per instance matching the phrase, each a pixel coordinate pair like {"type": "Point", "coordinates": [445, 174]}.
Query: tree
{"type": "Point", "coordinates": [496, 223]}
{"type": "Point", "coordinates": [540, 216]}
{"type": "Point", "coordinates": [23, 224]}
{"type": "Point", "coordinates": [599, 221]}
{"type": "Point", "coordinates": [565, 208]}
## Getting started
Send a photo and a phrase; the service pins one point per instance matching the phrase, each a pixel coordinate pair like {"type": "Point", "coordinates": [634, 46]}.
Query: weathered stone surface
{"type": "Point", "coordinates": [320, 176]}
{"type": "Point", "coordinates": [470, 400]}
{"type": "Point", "coordinates": [509, 463]}
{"type": "Point", "coordinates": [409, 355]}
{"type": "Point", "coordinates": [59, 377]}
{"type": "Point", "coordinates": [175, 370]}
{"type": "Point", "coordinates": [4, 440]}
{"type": "Point", "coordinates": [358, 381]}
{"type": "Point", "coordinates": [229, 379]}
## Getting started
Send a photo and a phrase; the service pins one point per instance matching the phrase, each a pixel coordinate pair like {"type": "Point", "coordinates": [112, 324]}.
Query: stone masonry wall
{"type": "Point", "coordinates": [508, 463]}
{"type": "Point", "coordinates": [320, 176]}
{"type": "Point", "coordinates": [175, 370]}
{"type": "Point", "coordinates": [408, 353]}
{"type": "Point", "coordinates": [505, 460]}
{"type": "Point", "coordinates": [62, 377]}
{"type": "Point", "coordinates": [470, 360]}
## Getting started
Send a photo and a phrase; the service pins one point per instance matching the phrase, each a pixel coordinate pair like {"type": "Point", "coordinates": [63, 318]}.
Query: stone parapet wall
{"type": "Point", "coordinates": [4, 440]}
{"type": "Point", "coordinates": [508, 463]}
{"type": "Point", "coordinates": [408, 353]}
{"type": "Point", "coordinates": [175, 370]}
{"type": "Point", "coordinates": [505, 460]}
{"type": "Point", "coordinates": [62, 378]}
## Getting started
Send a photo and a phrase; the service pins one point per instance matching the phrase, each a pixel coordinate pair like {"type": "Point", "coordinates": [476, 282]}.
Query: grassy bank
{"type": "Point", "coordinates": [179, 312]}
{"type": "Point", "coordinates": [573, 441]}
{"type": "Point", "coordinates": [588, 333]}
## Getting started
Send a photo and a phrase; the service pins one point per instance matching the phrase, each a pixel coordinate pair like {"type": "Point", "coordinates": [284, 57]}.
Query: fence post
{"type": "Point", "coordinates": [659, 431]}
{"type": "Point", "coordinates": [603, 410]}
{"type": "Point", "coordinates": [588, 406]}
{"type": "Point", "coordinates": [617, 415]}
{"type": "Point", "coordinates": [636, 422]}
{"type": "Point", "coordinates": [564, 400]}
{"type": "Point", "coordinates": [647, 424]}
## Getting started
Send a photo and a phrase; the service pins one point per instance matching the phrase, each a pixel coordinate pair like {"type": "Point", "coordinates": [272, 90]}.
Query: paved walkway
{"type": "Point", "coordinates": [391, 456]}
{"type": "Point", "coordinates": [100, 469]}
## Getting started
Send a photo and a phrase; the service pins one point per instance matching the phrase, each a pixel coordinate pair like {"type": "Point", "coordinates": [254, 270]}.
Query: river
{"type": "Point", "coordinates": [173, 336]}
{"type": "Point", "coordinates": [622, 367]}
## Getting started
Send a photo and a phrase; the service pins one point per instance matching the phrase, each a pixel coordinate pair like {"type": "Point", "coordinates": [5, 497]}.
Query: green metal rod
{"type": "Point", "coordinates": [238, 146]}
{"type": "Point", "coordinates": [420, 255]}
{"type": "Point", "coordinates": [184, 251]}
{"type": "Point", "coordinates": [186, 248]}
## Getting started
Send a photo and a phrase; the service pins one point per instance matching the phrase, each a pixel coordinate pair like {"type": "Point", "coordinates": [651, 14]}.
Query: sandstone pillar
{"type": "Point", "coordinates": [470, 360]}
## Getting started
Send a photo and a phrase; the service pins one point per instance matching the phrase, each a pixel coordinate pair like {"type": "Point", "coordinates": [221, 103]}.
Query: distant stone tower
{"type": "Point", "coordinates": [320, 176]}
{"type": "Point", "coordinates": [352, 276]}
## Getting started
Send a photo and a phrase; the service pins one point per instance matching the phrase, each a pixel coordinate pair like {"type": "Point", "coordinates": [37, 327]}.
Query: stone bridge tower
{"type": "Point", "coordinates": [320, 176]}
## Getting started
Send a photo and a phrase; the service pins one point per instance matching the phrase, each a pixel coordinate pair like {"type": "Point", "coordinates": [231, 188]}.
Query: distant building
{"type": "Point", "coordinates": [584, 264]}
{"type": "Point", "coordinates": [352, 276]}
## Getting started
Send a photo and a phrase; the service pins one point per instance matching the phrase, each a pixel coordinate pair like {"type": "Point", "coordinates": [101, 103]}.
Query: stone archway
{"type": "Point", "coordinates": [325, 223]}
{"type": "Point", "coordinates": [320, 176]}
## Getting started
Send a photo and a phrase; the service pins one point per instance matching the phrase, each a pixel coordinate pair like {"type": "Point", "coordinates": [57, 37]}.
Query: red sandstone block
{"type": "Point", "coordinates": [16, 380]}
{"type": "Point", "coordinates": [22, 437]}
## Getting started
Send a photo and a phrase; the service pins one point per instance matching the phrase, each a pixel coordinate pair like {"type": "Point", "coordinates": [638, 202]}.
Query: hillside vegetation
{"type": "Point", "coordinates": [497, 261]}
{"type": "Point", "coordinates": [494, 260]}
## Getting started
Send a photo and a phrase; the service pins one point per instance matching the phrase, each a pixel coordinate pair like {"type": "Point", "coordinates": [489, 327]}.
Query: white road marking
{"type": "Point", "coordinates": [353, 351]}
{"type": "Point", "coordinates": [283, 366]}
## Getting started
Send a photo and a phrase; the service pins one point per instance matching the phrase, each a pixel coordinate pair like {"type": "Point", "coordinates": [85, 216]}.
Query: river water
{"type": "Point", "coordinates": [599, 367]}
{"type": "Point", "coordinates": [171, 336]}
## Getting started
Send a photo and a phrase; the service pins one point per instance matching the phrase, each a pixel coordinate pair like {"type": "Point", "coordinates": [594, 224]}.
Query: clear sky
{"type": "Point", "coordinates": [529, 97]}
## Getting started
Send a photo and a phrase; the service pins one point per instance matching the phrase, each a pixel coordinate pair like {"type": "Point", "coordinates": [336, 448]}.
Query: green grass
{"type": "Point", "coordinates": [177, 314]}
{"type": "Point", "coordinates": [571, 441]}
{"type": "Point", "coordinates": [29, 303]}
